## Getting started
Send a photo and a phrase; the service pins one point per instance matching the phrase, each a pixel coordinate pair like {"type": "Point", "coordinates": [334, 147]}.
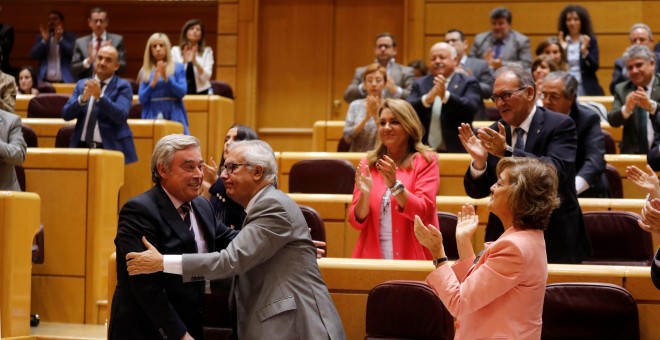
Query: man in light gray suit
{"type": "Point", "coordinates": [84, 52]}
{"type": "Point", "coordinates": [278, 291]}
{"type": "Point", "coordinates": [502, 44]}
{"type": "Point", "coordinates": [12, 150]}
{"type": "Point", "coordinates": [399, 77]}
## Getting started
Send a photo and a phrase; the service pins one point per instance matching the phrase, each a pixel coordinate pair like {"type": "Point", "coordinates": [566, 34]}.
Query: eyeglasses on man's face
{"type": "Point", "coordinates": [231, 167]}
{"type": "Point", "coordinates": [506, 95]}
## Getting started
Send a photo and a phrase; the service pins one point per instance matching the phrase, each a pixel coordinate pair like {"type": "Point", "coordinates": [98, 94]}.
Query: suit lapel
{"type": "Point", "coordinates": [173, 220]}
{"type": "Point", "coordinates": [206, 224]}
{"type": "Point", "coordinates": [256, 201]}
{"type": "Point", "coordinates": [535, 129]}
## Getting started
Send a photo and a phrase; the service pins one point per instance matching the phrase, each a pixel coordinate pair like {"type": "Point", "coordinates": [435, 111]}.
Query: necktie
{"type": "Point", "coordinates": [498, 48]}
{"type": "Point", "coordinates": [185, 209]}
{"type": "Point", "coordinates": [520, 141]}
{"type": "Point", "coordinates": [93, 118]}
{"type": "Point", "coordinates": [99, 41]}
{"type": "Point", "coordinates": [642, 118]}
{"type": "Point", "coordinates": [435, 128]}
{"type": "Point", "coordinates": [190, 78]}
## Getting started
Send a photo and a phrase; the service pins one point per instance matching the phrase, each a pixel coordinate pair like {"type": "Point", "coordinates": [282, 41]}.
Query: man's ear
{"type": "Point", "coordinates": [162, 171]}
{"type": "Point", "coordinates": [258, 173]}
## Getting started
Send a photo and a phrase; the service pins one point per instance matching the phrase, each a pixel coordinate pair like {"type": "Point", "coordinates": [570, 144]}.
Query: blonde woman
{"type": "Point", "coordinates": [162, 83]}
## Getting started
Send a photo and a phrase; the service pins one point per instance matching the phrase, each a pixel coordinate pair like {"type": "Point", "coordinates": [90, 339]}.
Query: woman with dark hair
{"type": "Point", "coordinates": [551, 47]}
{"type": "Point", "coordinates": [27, 81]}
{"type": "Point", "coordinates": [577, 38]}
{"type": "Point", "coordinates": [541, 67]}
{"type": "Point", "coordinates": [213, 188]}
{"type": "Point", "coordinates": [195, 56]}
{"type": "Point", "coordinates": [499, 294]}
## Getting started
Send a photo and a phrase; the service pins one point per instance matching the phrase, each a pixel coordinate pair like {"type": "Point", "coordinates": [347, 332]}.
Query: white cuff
{"type": "Point", "coordinates": [172, 264]}
{"type": "Point", "coordinates": [424, 101]}
{"type": "Point", "coordinates": [447, 94]}
{"type": "Point", "coordinates": [581, 185]}
{"type": "Point", "coordinates": [85, 64]}
{"type": "Point", "coordinates": [476, 173]}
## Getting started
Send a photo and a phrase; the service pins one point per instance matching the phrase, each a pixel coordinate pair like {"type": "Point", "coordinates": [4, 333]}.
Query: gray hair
{"type": "Point", "coordinates": [644, 27]}
{"type": "Point", "coordinates": [523, 74]}
{"type": "Point", "coordinates": [165, 149]}
{"type": "Point", "coordinates": [638, 51]}
{"type": "Point", "coordinates": [570, 83]}
{"type": "Point", "coordinates": [444, 45]}
{"type": "Point", "coordinates": [258, 153]}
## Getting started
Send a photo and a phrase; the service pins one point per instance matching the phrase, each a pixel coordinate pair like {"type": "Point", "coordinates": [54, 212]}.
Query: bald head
{"type": "Point", "coordinates": [442, 59]}
{"type": "Point", "coordinates": [106, 63]}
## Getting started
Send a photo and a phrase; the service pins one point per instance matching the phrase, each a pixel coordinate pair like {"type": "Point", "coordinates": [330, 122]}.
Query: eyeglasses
{"type": "Point", "coordinates": [231, 167]}
{"type": "Point", "coordinates": [505, 95]}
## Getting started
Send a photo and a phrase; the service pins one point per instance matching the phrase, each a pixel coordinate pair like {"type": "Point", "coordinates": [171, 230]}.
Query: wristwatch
{"type": "Point", "coordinates": [397, 188]}
{"type": "Point", "coordinates": [436, 262]}
{"type": "Point", "coordinates": [508, 151]}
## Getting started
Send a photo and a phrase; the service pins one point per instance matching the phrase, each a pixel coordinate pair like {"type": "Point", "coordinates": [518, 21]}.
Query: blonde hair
{"type": "Point", "coordinates": [407, 117]}
{"type": "Point", "coordinates": [149, 63]}
{"type": "Point", "coordinates": [375, 67]}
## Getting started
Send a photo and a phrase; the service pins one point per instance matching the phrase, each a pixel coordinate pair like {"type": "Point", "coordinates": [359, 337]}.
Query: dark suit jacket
{"type": "Point", "coordinates": [484, 75]}
{"type": "Point", "coordinates": [228, 211]}
{"type": "Point", "coordinates": [40, 52]}
{"type": "Point", "coordinates": [461, 107]}
{"type": "Point", "coordinates": [113, 109]}
{"type": "Point", "coordinates": [630, 140]}
{"type": "Point", "coordinates": [551, 138]}
{"type": "Point", "coordinates": [588, 67]}
{"type": "Point", "coordinates": [655, 269]}
{"type": "Point", "coordinates": [80, 54]}
{"type": "Point", "coordinates": [620, 73]}
{"type": "Point", "coordinates": [160, 305]}
{"type": "Point", "coordinates": [590, 158]}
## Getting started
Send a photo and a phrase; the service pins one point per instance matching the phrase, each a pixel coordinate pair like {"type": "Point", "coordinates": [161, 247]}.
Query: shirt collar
{"type": "Point", "coordinates": [527, 122]}
{"type": "Point", "coordinates": [104, 36]}
{"type": "Point", "coordinates": [177, 203]}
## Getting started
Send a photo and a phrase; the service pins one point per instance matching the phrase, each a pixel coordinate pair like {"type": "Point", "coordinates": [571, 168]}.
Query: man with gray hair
{"type": "Point", "coordinates": [444, 99]}
{"type": "Point", "coordinates": [278, 291]}
{"type": "Point", "coordinates": [526, 130]}
{"type": "Point", "coordinates": [636, 102]}
{"type": "Point", "coordinates": [640, 34]}
{"type": "Point", "coordinates": [560, 95]}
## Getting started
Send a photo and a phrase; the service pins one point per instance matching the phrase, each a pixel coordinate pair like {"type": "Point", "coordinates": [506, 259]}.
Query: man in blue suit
{"type": "Point", "coordinates": [101, 104]}
{"type": "Point", "coordinates": [444, 99]}
{"type": "Point", "coordinates": [54, 49]}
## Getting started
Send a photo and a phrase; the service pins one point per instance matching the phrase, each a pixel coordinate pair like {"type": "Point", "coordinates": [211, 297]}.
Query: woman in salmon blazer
{"type": "Point", "coordinates": [499, 294]}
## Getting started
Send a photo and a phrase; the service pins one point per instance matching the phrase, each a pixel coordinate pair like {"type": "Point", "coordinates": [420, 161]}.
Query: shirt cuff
{"type": "Point", "coordinates": [424, 101]}
{"type": "Point", "coordinates": [474, 172]}
{"type": "Point", "coordinates": [172, 264]}
{"type": "Point", "coordinates": [581, 185]}
{"type": "Point", "coordinates": [85, 64]}
{"type": "Point", "coordinates": [447, 94]}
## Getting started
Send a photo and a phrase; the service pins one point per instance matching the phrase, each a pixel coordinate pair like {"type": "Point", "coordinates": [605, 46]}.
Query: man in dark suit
{"type": "Point", "coordinates": [636, 102]}
{"type": "Point", "coordinates": [53, 49]}
{"type": "Point", "coordinates": [399, 77]}
{"type": "Point", "coordinates": [444, 99]}
{"type": "Point", "coordinates": [640, 34]}
{"type": "Point", "coordinates": [175, 220]}
{"type": "Point", "coordinates": [502, 44]}
{"type": "Point", "coordinates": [84, 52]}
{"type": "Point", "coordinates": [560, 95]}
{"type": "Point", "coordinates": [101, 104]}
{"type": "Point", "coordinates": [528, 131]}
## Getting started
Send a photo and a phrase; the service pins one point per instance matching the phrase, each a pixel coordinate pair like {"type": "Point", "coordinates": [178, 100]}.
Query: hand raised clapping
{"type": "Point", "coordinates": [363, 179]}
{"type": "Point", "coordinates": [645, 180]}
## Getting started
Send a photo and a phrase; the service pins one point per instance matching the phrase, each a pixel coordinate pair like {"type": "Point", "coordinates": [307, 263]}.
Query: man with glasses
{"type": "Point", "coordinates": [399, 77]}
{"type": "Point", "coordinates": [86, 48]}
{"type": "Point", "coordinates": [528, 131]}
{"type": "Point", "coordinates": [278, 290]}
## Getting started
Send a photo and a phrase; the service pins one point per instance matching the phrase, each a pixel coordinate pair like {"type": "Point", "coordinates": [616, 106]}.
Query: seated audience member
{"type": "Point", "coordinates": [541, 67]}
{"type": "Point", "coordinates": [12, 150]}
{"type": "Point", "coordinates": [396, 181]}
{"type": "Point", "coordinates": [502, 44]}
{"type": "Point", "coordinates": [526, 130]}
{"type": "Point", "coordinates": [640, 34]}
{"type": "Point", "coordinates": [86, 48]}
{"type": "Point", "coordinates": [195, 56]}
{"type": "Point", "coordinates": [499, 294]}
{"type": "Point", "coordinates": [651, 211]}
{"type": "Point", "coordinates": [551, 47]}
{"type": "Point", "coordinates": [444, 99]}
{"type": "Point", "coordinates": [54, 50]}
{"type": "Point", "coordinates": [576, 35]}
{"type": "Point", "coordinates": [7, 44]}
{"type": "Point", "coordinates": [101, 104]}
{"type": "Point", "coordinates": [278, 290]}
{"type": "Point", "coordinates": [361, 119]}
{"type": "Point", "coordinates": [7, 90]}
{"type": "Point", "coordinates": [470, 66]}
{"type": "Point", "coordinates": [400, 78]}
{"type": "Point", "coordinates": [560, 95]}
{"type": "Point", "coordinates": [419, 68]}
{"type": "Point", "coordinates": [636, 102]}
{"type": "Point", "coordinates": [27, 81]}
{"type": "Point", "coordinates": [162, 83]}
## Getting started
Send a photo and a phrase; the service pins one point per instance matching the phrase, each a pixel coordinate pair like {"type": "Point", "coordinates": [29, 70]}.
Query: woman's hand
{"type": "Point", "coordinates": [210, 172]}
{"type": "Point", "coordinates": [373, 102]}
{"type": "Point", "coordinates": [562, 40]}
{"type": "Point", "coordinates": [467, 223]}
{"type": "Point", "coordinates": [584, 44]}
{"type": "Point", "coordinates": [387, 168]}
{"type": "Point", "coordinates": [650, 221]}
{"type": "Point", "coordinates": [430, 237]}
{"type": "Point", "coordinates": [363, 179]}
{"type": "Point", "coordinates": [645, 180]}
{"type": "Point", "coordinates": [473, 146]}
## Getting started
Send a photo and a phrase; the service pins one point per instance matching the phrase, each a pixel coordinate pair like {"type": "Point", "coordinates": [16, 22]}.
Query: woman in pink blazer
{"type": "Point", "coordinates": [499, 294]}
{"type": "Point", "coordinates": [397, 180]}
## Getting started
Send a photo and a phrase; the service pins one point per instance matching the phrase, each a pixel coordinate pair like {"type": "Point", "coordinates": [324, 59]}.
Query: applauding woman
{"type": "Point", "coordinates": [360, 128]}
{"type": "Point", "coordinates": [499, 294]}
{"type": "Point", "coordinates": [162, 83]}
{"type": "Point", "coordinates": [398, 180]}
{"type": "Point", "coordinates": [195, 56]}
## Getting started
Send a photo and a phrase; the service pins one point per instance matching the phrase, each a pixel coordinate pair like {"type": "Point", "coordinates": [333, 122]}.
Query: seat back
{"type": "Point", "coordinates": [45, 87]}
{"type": "Point", "coordinates": [315, 224]}
{"type": "Point", "coordinates": [222, 89]}
{"type": "Point", "coordinates": [617, 239]}
{"type": "Point", "coordinates": [448, 223]}
{"type": "Point", "coordinates": [614, 181]}
{"type": "Point", "coordinates": [322, 176]}
{"type": "Point", "coordinates": [29, 136]}
{"type": "Point", "coordinates": [63, 137]}
{"type": "Point", "coordinates": [407, 310]}
{"type": "Point", "coordinates": [610, 145]}
{"type": "Point", "coordinates": [47, 105]}
{"type": "Point", "coordinates": [589, 311]}
{"type": "Point", "coordinates": [135, 112]}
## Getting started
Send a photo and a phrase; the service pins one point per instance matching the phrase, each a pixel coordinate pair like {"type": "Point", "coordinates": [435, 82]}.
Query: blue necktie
{"type": "Point", "coordinates": [93, 118]}
{"type": "Point", "coordinates": [498, 48]}
{"type": "Point", "coordinates": [520, 142]}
